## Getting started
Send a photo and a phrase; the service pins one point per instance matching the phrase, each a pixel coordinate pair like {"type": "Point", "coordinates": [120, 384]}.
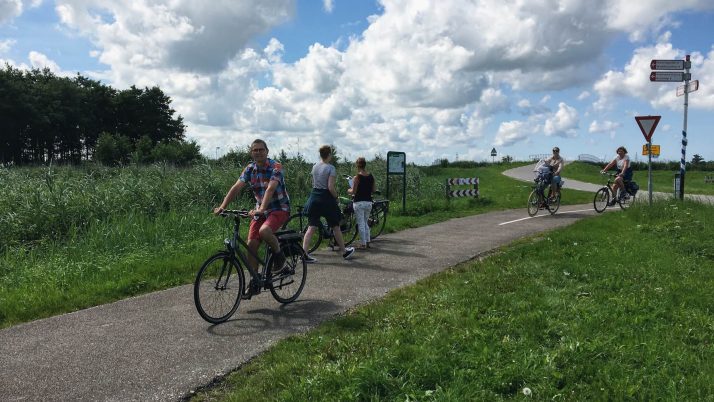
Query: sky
{"type": "Point", "coordinates": [435, 79]}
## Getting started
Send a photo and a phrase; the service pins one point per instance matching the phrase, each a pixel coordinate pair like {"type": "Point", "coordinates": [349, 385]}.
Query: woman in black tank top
{"type": "Point", "coordinates": [363, 186]}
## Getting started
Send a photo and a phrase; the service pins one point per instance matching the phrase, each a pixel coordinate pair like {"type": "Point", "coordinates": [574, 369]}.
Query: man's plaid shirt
{"type": "Point", "coordinates": [260, 176]}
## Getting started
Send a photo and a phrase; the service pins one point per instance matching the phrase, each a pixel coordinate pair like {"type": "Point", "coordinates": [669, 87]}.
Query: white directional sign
{"type": "Point", "coordinates": [693, 86]}
{"type": "Point", "coordinates": [667, 65]}
{"type": "Point", "coordinates": [665, 76]}
{"type": "Point", "coordinates": [647, 125]}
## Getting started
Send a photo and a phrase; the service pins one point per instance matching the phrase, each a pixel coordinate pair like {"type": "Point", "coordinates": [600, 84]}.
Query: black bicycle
{"type": "Point", "coordinates": [221, 282]}
{"type": "Point", "coordinates": [539, 198]}
{"type": "Point", "coordinates": [624, 198]}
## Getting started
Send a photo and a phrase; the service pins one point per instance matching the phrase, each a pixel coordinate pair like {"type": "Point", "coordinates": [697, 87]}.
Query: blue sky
{"type": "Point", "coordinates": [435, 79]}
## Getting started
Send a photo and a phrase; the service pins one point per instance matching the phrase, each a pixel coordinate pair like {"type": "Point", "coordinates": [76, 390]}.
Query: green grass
{"type": "Point", "coordinates": [614, 307]}
{"type": "Point", "coordinates": [662, 181]}
{"type": "Point", "coordinates": [87, 237]}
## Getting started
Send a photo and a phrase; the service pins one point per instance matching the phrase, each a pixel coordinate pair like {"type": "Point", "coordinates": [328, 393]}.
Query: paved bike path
{"type": "Point", "coordinates": [156, 347]}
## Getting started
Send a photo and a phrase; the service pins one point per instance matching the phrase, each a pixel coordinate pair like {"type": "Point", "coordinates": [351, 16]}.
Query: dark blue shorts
{"type": "Point", "coordinates": [321, 204]}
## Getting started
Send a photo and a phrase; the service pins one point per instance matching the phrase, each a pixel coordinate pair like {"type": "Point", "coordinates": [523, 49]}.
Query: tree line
{"type": "Point", "coordinates": [48, 118]}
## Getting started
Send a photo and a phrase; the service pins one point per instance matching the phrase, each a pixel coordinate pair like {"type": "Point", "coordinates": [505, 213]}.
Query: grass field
{"type": "Point", "coordinates": [662, 181]}
{"type": "Point", "coordinates": [615, 307]}
{"type": "Point", "coordinates": [75, 238]}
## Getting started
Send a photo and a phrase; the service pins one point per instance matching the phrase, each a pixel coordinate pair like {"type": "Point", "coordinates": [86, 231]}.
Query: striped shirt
{"type": "Point", "coordinates": [260, 176]}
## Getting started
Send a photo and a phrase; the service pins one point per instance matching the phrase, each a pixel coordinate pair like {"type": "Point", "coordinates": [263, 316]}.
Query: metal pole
{"type": "Point", "coordinates": [649, 169]}
{"type": "Point", "coordinates": [683, 161]}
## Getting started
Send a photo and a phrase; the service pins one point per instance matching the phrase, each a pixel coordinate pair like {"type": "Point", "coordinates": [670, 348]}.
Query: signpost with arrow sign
{"type": "Point", "coordinates": [648, 124]}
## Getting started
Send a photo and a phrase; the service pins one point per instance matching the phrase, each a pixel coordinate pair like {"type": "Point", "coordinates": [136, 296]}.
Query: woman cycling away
{"type": "Point", "coordinates": [323, 203]}
{"type": "Point", "coordinates": [624, 171]}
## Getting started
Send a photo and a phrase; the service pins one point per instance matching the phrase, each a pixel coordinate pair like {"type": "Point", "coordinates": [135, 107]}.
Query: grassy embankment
{"type": "Point", "coordinates": [78, 237]}
{"type": "Point", "coordinates": [614, 307]}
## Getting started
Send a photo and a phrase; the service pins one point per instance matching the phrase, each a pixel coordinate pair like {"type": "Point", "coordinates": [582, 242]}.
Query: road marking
{"type": "Point", "coordinates": [539, 216]}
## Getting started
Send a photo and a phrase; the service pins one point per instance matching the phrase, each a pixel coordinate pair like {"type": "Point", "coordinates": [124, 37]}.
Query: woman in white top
{"type": "Point", "coordinates": [624, 170]}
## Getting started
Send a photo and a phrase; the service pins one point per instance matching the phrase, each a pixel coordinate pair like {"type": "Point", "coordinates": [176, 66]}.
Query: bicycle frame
{"type": "Point", "coordinates": [234, 248]}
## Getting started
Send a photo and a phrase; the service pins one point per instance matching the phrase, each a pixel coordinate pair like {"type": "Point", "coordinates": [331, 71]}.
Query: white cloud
{"type": "Point", "coordinates": [642, 17]}
{"type": "Point", "coordinates": [606, 126]}
{"type": "Point", "coordinates": [328, 5]}
{"type": "Point", "coordinates": [6, 45]}
{"type": "Point", "coordinates": [583, 95]}
{"type": "Point", "coordinates": [564, 123]}
{"type": "Point", "coordinates": [511, 132]}
{"type": "Point", "coordinates": [40, 61]}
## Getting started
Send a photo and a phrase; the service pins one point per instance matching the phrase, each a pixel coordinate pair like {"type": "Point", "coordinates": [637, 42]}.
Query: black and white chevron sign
{"type": "Point", "coordinates": [463, 193]}
{"type": "Point", "coordinates": [463, 181]}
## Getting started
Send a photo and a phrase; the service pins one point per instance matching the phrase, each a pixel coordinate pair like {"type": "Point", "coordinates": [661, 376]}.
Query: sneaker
{"type": "Point", "coordinates": [309, 259]}
{"type": "Point", "coordinates": [349, 251]}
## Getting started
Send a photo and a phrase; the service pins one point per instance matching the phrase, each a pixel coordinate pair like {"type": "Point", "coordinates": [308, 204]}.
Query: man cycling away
{"type": "Point", "coordinates": [624, 171]}
{"type": "Point", "coordinates": [272, 208]}
{"type": "Point", "coordinates": [556, 163]}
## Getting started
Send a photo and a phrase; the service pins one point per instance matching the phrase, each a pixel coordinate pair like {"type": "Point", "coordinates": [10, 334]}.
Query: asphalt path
{"type": "Point", "coordinates": [155, 347]}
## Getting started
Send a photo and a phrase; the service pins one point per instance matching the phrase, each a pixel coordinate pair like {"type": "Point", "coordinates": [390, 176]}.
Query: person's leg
{"type": "Point", "coordinates": [272, 224]}
{"type": "Point", "coordinates": [361, 213]}
{"type": "Point", "coordinates": [308, 237]}
{"type": "Point", "coordinates": [254, 242]}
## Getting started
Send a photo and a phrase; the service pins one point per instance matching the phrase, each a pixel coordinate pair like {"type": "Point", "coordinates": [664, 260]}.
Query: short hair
{"type": "Point", "coordinates": [325, 151]}
{"type": "Point", "coordinates": [556, 149]}
{"type": "Point", "coordinates": [258, 141]}
{"type": "Point", "coordinates": [361, 162]}
{"type": "Point", "coordinates": [622, 148]}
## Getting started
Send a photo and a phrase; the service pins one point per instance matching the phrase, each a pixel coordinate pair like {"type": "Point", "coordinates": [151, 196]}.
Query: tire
{"type": "Point", "coordinates": [533, 203]}
{"type": "Point", "coordinates": [376, 221]}
{"type": "Point", "coordinates": [294, 224]}
{"type": "Point", "coordinates": [627, 201]}
{"type": "Point", "coordinates": [350, 232]}
{"type": "Point", "coordinates": [602, 198]}
{"type": "Point", "coordinates": [554, 205]}
{"type": "Point", "coordinates": [218, 288]}
{"type": "Point", "coordinates": [287, 284]}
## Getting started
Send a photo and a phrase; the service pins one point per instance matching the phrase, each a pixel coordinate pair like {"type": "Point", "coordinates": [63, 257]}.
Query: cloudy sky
{"type": "Point", "coordinates": [435, 79]}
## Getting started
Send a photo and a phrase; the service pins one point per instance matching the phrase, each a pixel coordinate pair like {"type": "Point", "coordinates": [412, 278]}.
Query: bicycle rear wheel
{"type": "Point", "coordinates": [218, 287]}
{"type": "Point", "coordinates": [377, 219]}
{"type": "Point", "coordinates": [533, 203]}
{"type": "Point", "coordinates": [287, 284]}
{"type": "Point", "coordinates": [602, 198]}
{"type": "Point", "coordinates": [294, 223]}
{"type": "Point", "coordinates": [624, 199]}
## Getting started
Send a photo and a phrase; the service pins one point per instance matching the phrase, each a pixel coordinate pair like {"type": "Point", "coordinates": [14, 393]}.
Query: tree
{"type": "Point", "coordinates": [507, 159]}
{"type": "Point", "coordinates": [697, 159]}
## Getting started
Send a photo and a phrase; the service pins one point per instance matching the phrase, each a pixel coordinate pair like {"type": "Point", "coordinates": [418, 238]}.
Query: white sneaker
{"type": "Point", "coordinates": [349, 251]}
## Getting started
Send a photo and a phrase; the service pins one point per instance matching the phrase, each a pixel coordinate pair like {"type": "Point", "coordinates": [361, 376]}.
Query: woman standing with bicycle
{"type": "Point", "coordinates": [624, 171]}
{"type": "Point", "coordinates": [363, 186]}
{"type": "Point", "coordinates": [323, 203]}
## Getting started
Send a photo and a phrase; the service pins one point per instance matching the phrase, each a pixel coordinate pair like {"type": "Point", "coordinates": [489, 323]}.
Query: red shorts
{"type": "Point", "coordinates": [274, 220]}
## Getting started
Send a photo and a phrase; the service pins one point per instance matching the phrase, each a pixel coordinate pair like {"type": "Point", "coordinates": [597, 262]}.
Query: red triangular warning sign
{"type": "Point", "coordinates": [647, 125]}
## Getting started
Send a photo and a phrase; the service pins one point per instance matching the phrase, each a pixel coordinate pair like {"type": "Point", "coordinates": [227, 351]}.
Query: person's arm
{"type": "Point", "coordinates": [608, 166]}
{"type": "Point", "coordinates": [331, 186]}
{"type": "Point", "coordinates": [232, 193]}
{"type": "Point", "coordinates": [269, 192]}
{"type": "Point", "coordinates": [558, 168]}
{"type": "Point", "coordinates": [374, 184]}
{"type": "Point", "coordinates": [355, 183]}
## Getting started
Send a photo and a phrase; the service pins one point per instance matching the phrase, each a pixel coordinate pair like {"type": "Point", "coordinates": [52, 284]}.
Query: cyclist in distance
{"type": "Point", "coordinates": [272, 207]}
{"type": "Point", "coordinates": [556, 163]}
{"type": "Point", "coordinates": [624, 171]}
{"type": "Point", "coordinates": [323, 203]}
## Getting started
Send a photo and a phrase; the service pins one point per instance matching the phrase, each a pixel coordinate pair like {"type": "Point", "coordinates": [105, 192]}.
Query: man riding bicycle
{"type": "Point", "coordinates": [272, 208]}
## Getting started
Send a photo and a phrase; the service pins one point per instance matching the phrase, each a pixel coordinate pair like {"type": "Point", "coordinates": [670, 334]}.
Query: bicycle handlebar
{"type": "Point", "coordinates": [241, 213]}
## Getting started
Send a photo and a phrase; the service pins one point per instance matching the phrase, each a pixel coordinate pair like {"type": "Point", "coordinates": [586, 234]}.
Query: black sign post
{"type": "Point", "coordinates": [397, 165]}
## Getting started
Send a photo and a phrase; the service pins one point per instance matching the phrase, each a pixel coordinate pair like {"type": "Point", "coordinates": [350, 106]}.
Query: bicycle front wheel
{"type": "Point", "coordinates": [376, 221]}
{"type": "Point", "coordinates": [300, 225]}
{"type": "Point", "coordinates": [553, 203]}
{"type": "Point", "coordinates": [286, 284]}
{"type": "Point", "coordinates": [218, 287]}
{"type": "Point", "coordinates": [533, 203]}
{"type": "Point", "coordinates": [350, 232]}
{"type": "Point", "coordinates": [602, 198]}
